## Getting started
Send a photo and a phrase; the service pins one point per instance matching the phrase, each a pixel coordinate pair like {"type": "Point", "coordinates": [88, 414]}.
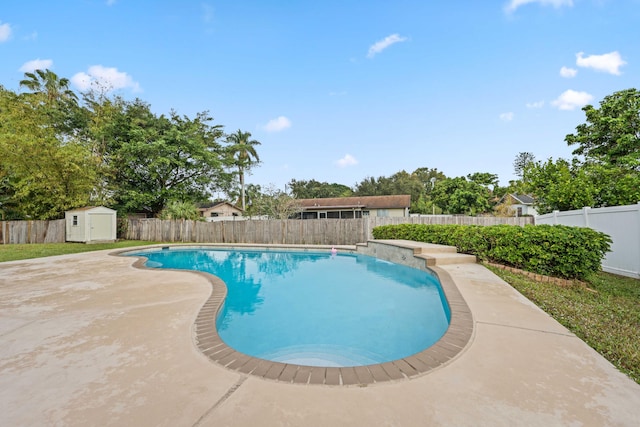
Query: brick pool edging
{"type": "Point", "coordinates": [452, 343]}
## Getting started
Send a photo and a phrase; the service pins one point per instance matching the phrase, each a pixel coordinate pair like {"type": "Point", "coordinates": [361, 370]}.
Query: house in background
{"type": "Point", "coordinates": [91, 224]}
{"type": "Point", "coordinates": [521, 204]}
{"type": "Point", "coordinates": [355, 207]}
{"type": "Point", "coordinates": [219, 211]}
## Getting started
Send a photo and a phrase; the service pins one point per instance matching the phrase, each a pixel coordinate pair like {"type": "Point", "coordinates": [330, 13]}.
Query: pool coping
{"type": "Point", "coordinates": [452, 344]}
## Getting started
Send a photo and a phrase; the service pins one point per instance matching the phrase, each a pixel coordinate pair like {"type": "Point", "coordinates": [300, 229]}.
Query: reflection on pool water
{"type": "Point", "coordinates": [318, 308]}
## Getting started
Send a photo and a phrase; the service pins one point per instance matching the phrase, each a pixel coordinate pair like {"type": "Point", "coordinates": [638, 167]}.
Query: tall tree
{"type": "Point", "coordinates": [563, 185]}
{"type": "Point", "coordinates": [48, 83]}
{"type": "Point", "coordinates": [106, 129]}
{"type": "Point", "coordinates": [276, 204]}
{"type": "Point", "coordinates": [560, 185]}
{"type": "Point", "coordinates": [611, 134]}
{"type": "Point", "coordinates": [162, 159]}
{"type": "Point", "coordinates": [428, 177]}
{"type": "Point", "coordinates": [242, 150]}
{"type": "Point", "coordinates": [312, 189]}
{"type": "Point", "coordinates": [44, 175]}
{"type": "Point", "coordinates": [52, 95]}
{"type": "Point", "coordinates": [485, 179]}
{"type": "Point", "coordinates": [459, 196]}
{"type": "Point", "coordinates": [521, 161]}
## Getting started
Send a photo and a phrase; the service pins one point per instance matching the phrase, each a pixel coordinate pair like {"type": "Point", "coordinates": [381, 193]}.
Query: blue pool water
{"type": "Point", "coordinates": [318, 309]}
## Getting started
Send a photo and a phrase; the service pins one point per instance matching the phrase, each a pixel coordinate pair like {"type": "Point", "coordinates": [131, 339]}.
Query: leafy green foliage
{"type": "Point", "coordinates": [607, 173]}
{"type": "Point", "coordinates": [43, 173]}
{"type": "Point", "coordinates": [560, 251]}
{"type": "Point", "coordinates": [312, 189]}
{"type": "Point", "coordinates": [459, 196]}
{"type": "Point", "coordinates": [57, 154]}
{"type": "Point", "coordinates": [612, 133]}
{"type": "Point", "coordinates": [275, 204]}
{"type": "Point", "coordinates": [418, 184]}
{"type": "Point", "coordinates": [560, 185]}
{"type": "Point", "coordinates": [181, 210]}
{"type": "Point", "coordinates": [161, 159]}
{"type": "Point", "coordinates": [485, 179]}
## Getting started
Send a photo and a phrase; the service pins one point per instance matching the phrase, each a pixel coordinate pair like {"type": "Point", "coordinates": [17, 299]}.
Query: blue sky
{"type": "Point", "coordinates": [338, 91]}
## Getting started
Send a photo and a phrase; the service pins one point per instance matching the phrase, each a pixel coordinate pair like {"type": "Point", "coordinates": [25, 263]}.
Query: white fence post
{"type": "Point", "coordinates": [585, 215]}
{"type": "Point", "coordinates": [638, 211]}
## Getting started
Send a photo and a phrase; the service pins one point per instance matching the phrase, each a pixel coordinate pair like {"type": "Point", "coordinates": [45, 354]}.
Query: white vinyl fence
{"type": "Point", "coordinates": [621, 223]}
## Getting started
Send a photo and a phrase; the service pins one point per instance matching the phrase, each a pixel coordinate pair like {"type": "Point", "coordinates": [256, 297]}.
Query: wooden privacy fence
{"type": "Point", "coordinates": [14, 232]}
{"type": "Point", "coordinates": [292, 231]}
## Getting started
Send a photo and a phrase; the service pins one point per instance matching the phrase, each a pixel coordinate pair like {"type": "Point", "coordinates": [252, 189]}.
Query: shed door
{"type": "Point", "coordinates": [100, 227]}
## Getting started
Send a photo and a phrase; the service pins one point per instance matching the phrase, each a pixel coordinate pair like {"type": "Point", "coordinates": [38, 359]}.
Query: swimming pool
{"type": "Point", "coordinates": [318, 309]}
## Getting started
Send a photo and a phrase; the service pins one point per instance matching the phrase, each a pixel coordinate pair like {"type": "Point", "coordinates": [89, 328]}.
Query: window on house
{"type": "Point", "coordinates": [519, 211]}
{"type": "Point", "coordinates": [75, 220]}
{"type": "Point", "coordinates": [234, 214]}
{"type": "Point", "coordinates": [214, 214]}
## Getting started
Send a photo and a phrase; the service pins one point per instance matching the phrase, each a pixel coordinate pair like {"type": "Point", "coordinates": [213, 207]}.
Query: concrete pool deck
{"type": "Point", "coordinates": [88, 339]}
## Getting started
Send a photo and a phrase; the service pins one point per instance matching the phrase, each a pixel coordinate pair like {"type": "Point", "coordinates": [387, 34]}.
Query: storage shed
{"type": "Point", "coordinates": [90, 224]}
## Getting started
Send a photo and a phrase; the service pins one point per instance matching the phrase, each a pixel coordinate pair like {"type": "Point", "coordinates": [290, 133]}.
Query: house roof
{"type": "Point", "coordinates": [213, 205]}
{"type": "Point", "coordinates": [523, 199]}
{"type": "Point", "coordinates": [369, 202]}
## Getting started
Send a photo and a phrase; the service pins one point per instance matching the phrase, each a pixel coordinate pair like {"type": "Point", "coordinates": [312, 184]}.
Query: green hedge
{"type": "Point", "coordinates": [552, 250]}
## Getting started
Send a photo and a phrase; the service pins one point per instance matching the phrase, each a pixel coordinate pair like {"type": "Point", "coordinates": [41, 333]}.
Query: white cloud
{"type": "Point", "coordinates": [5, 32]}
{"type": "Point", "coordinates": [537, 104]}
{"type": "Point", "coordinates": [278, 124]}
{"type": "Point", "coordinates": [567, 72]}
{"type": "Point", "coordinates": [571, 99]}
{"type": "Point", "coordinates": [381, 45]}
{"type": "Point", "coordinates": [608, 62]}
{"type": "Point", "coordinates": [514, 4]}
{"type": "Point", "coordinates": [347, 160]}
{"type": "Point", "coordinates": [36, 64]}
{"type": "Point", "coordinates": [506, 117]}
{"type": "Point", "coordinates": [109, 78]}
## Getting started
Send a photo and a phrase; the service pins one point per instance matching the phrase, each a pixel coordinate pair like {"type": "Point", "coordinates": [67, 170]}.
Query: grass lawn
{"type": "Point", "coordinates": [607, 319]}
{"type": "Point", "coordinates": [39, 250]}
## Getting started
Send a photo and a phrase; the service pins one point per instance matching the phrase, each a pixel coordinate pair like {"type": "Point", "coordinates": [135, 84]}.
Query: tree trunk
{"type": "Point", "coordinates": [242, 189]}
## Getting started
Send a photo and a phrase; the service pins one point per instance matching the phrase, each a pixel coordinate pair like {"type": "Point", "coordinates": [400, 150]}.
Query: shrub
{"type": "Point", "coordinates": [553, 250]}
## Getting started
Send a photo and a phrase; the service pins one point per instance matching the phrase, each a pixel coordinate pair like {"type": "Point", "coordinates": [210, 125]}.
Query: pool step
{"type": "Point", "coordinates": [433, 258]}
{"type": "Point", "coordinates": [432, 254]}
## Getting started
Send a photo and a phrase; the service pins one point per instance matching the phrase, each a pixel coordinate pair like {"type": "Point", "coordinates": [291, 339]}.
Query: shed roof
{"type": "Point", "coordinates": [89, 208]}
{"type": "Point", "coordinates": [371, 202]}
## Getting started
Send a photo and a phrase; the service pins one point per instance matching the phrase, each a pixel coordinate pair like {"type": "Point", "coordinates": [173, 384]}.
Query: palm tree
{"type": "Point", "coordinates": [48, 83]}
{"type": "Point", "coordinates": [52, 94]}
{"type": "Point", "coordinates": [242, 150]}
